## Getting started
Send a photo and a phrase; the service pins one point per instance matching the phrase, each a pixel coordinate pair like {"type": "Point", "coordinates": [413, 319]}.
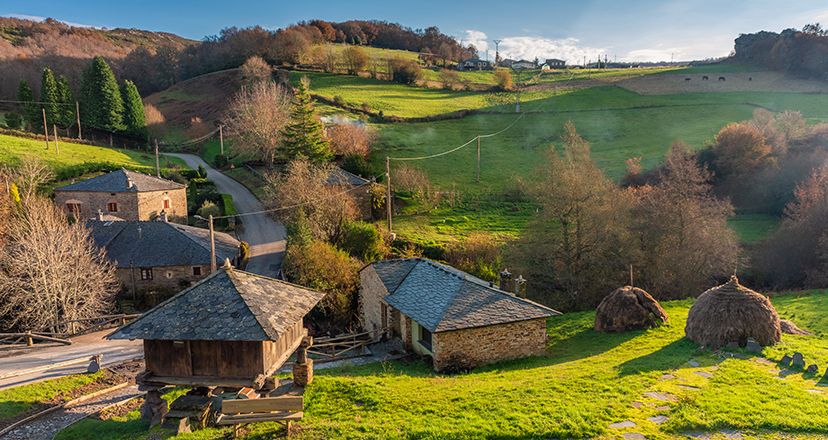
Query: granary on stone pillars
{"type": "Point", "coordinates": [232, 329]}
{"type": "Point", "coordinates": [456, 319]}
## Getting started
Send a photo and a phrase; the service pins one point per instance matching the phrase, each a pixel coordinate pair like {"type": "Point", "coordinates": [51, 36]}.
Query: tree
{"type": "Point", "coordinates": [134, 120]}
{"type": "Point", "coordinates": [503, 79]}
{"type": "Point", "coordinates": [255, 70]}
{"type": "Point", "coordinates": [304, 134]}
{"type": "Point", "coordinates": [50, 270]}
{"type": "Point", "coordinates": [50, 97]}
{"type": "Point", "coordinates": [351, 139]}
{"type": "Point", "coordinates": [404, 71]}
{"type": "Point", "coordinates": [578, 247]}
{"type": "Point", "coordinates": [67, 103]}
{"type": "Point", "coordinates": [326, 208]}
{"type": "Point", "coordinates": [101, 103]}
{"type": "Point", "coordinates": [13, 120]}
{"type": "Point", "coordinates": [686, 244]}
{"type": "Point", "coordinates": [739, 149]}
{"type": "Point", "coordinates": [255, 120]}
{"type": "Point", "coordinates": [355, 58]}
{"type": "Point", "coordinates": [364, 241]}
{"type": "Point", "coordinates": [449, 78]}
{"type": "Point", "coordinates": [31, 112]}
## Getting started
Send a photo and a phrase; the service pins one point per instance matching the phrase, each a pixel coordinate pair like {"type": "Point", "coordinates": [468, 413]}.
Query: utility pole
{"type": "Point", "coordinates": [478, 158]}
{"type": "Point", "coordinates": [45, 127]}
{"type": "Point", "coordinates": [388, 201]}
{"type": "Point", "coordinates": [212, 245]}
{"type": "Point", "coordinates": [497, 51]}
{"type": "Point", "coordinates": [157, 160]}
{"type": "Point", "coordinates": [221, 139]}
{"type": "Point", "coordinates": [57, 147]}
{"type": "Point", "coordinates": [77, 115]}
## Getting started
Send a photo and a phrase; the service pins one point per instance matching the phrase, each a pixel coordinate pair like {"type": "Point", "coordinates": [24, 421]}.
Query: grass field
{"type": "Point", "coordinates": [13, 149]}
{"type": "Point", "coordinates": [16, 401]}
{"type": "Point", "coordinates": [753, 227]}
{"type": "Point", "coordinates": [588, 381]}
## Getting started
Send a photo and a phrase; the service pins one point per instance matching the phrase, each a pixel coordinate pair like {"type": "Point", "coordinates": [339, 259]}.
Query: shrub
{"type": "Point", "coordinates": [503, 79]}
{"type": "Point", "coordinates": [359, 166]}
{"type": "Point", "coordinates": [405, 71]}
{"type": "Point", "coordinates": [351, 139]}
{"type": "Point", "coordinates": [13, 120]}
{"type": "Point", "coordinates": [340, 101]}
{"type": "Point", "coordinates": [221, 161]}
{"type": "Point", "coordinates": [202, 172]}
{"type": "Point", "coordinates": [364, 241]}
{"type": "Point", "coordinates": [479, 254]}
{"type": "Point", "coordinates": [209, 208]}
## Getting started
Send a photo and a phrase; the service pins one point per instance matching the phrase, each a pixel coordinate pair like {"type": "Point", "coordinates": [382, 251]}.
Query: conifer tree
{"type": "Point", "coordinates": [304, 135]}
{"type": "Point", "coordinates": [134, 120]}
{"type": "Point", "coordinates": [31, 112]}
{"type": "Point", "coordinates": [49, 98]}
{"type": "Point", "coordinates": [101, 103]}
{"type": "Point", "coordinates": [67, 101]}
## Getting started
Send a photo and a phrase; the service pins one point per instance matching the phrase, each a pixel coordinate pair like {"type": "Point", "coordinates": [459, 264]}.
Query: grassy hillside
{"type": "Point", "coordinates": [13, 149]}
{"type": "Point", "coordinates": [588, 381]}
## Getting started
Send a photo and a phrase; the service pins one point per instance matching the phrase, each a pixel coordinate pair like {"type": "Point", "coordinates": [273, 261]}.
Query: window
{"type": "Point", "coordinates": [425, 338]}
{"type": "Point", "coordinates": [73, 208]}
{"type": "Point", "coordinates": [197, 271]}
{"type": "Point", "coordinates": [166, 203]}
{"type": "Point", "coordinates": [112, 206]}
{"type": "Point", "coordinates": [146, 273]}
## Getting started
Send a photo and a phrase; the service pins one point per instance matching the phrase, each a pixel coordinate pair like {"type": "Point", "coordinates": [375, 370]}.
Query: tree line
{"type": "Point", "coordinates": [798, 52]}
{"type": "Point", "coordinates": [103, 104]}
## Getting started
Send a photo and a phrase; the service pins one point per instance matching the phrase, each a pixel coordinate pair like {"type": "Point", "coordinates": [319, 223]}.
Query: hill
{"type": "Point", "coordinates": [659, 381]}
{"type": "Point", "coordinates": [27, 46]}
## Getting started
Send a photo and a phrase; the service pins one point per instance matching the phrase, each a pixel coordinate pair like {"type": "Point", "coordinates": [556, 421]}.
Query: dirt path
{"type": "Point", "coordinates": [265, 236]}
{"type": "Point", "coordinates": [82, 346]}
{"type": "Point", "coordinates": [48, 426]}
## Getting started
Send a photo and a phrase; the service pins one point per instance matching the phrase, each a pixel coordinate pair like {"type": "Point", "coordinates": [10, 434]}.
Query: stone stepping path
{"type": "Point", "coordinates": [637, 404]}
{"type": "Point", "coordinates": [622, 425]}
{"type": "Point", "coordinates": [664, 397]}
{"type": "Point", "coordinates": [689, 387]}
{"type": "Point", "coordinates": [663, 408]}
{"type": "Point", "coordinates": [693, 363]}
{"type": "Point", "coordinates": [634, 436]}
{"type": "Point", "coordinates": [658, 419]}
{"type": "Point", "coordinates": [703, 374]}
{"type": "Point", "coordinates": [667, 377]}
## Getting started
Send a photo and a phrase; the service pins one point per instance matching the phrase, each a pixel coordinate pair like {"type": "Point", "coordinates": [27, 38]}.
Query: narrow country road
{"type": "Point", "coordinates": [265, 236]}
{"type": "Point", "coordinates": [84, 346]}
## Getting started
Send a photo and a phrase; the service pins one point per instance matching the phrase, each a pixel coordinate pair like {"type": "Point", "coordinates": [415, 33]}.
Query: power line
{"type": "Point", "coordinates": [12, 101]}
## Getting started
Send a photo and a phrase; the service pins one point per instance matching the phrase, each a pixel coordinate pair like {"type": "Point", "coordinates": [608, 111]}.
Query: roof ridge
{"type": "Point", "coordinates": [202, 246]}
{"type": "Point", "coordinates": [256, 313]}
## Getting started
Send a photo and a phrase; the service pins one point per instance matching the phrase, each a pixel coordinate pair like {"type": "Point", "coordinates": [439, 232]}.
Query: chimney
{"type": "Point", "coordinates": [227, 264]}
{"type": "Point", "coordinates": [130, 184]}
{"type": "Point", "coordinates": [506, 283]}
{"type": "Point", "coordinates": [520, 286]}
{"type": "Point", "coordinates": [100, 215]}
{"type": "Point", "coordinates": [162, 217]}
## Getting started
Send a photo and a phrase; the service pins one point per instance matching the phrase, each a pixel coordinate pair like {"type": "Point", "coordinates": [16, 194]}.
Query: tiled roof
{"type": "Point", "coordinates": [119, 181]}
{"type": "Point", "coordinates": [442, 298]}
{"type": "Point", "coordinates": [159, 243]}
{"type": "Point", "coordinates": [229, 305]}
{"type": "Point", "coordinates": [338, 176]}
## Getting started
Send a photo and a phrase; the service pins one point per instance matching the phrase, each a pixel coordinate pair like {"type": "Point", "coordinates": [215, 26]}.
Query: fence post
{"type": "Point", "coordinates": [29, 340]}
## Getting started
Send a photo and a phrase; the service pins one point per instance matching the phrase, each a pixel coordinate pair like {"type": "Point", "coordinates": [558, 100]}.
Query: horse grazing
{"type": "Point", "coordinates": [687, 79]}
{"type": "Point", "coordinates": [721, 78]}
{"type": "Point", "coordinates": [705, 78]}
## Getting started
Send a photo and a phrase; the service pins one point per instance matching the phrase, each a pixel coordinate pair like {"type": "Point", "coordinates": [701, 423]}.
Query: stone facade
{"type": "Point", "coordinates": [165, 279]}
{"type": "Point", "coordinates": [371, 303]}
{"type": "Point", "coordinates": [130, 205]}
{"type": "Point", "coordinates": [469, 348]}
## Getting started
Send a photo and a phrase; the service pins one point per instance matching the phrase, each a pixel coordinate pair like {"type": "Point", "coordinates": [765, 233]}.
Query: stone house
{"type": "Point", "coordinates": [524, 65]}
{"type": "Point", "coordinates": [124, 194]}
{"type": "Point", "coordinates": [347, 180]}
{"type": "Point", "coordinates": [474, 64]}
{"type": "Point", "coordinates": [554, 63]}
{"type": "Point", "coordinates": [456, 319]}
{"type": "Point", "coordinates": [155, 258]}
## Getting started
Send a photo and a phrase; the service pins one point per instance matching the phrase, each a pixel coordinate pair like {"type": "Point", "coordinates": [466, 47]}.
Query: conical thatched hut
{"type": "Point", "coordinates": [628, 308]}
{"type": "Point", "coordinates": [732, 313]}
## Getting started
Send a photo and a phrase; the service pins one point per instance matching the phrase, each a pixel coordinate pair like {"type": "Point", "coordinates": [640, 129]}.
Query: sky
{"type": "Point", "coordinates": [623, 30]}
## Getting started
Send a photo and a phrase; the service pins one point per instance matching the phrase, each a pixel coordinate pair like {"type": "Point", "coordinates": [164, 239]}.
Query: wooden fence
{"type": "Point", "coordinates": [342, 346]}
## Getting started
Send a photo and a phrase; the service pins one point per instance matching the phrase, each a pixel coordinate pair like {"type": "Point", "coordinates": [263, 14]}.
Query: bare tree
{"type": "Point", "coordinates": [50, 271]}
{"type": "Point", "coordinates": [351, 139]}
{"type": "Point", "coordinates": [355, 58]}
{"type": "Point", "coordinates": [255, 120]}
{"type": "Point", "coordinates": [255, 70]}
{"type": "Point", "coordinates": [328, 209]}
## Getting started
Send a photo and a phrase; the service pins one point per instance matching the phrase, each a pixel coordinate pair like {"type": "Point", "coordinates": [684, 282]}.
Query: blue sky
{"type": "Point", "coordinates": [644, 30]}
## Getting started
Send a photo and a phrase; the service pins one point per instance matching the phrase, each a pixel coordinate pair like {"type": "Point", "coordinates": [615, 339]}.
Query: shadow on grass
{"type": "Point", "coordinates": [669, 357]}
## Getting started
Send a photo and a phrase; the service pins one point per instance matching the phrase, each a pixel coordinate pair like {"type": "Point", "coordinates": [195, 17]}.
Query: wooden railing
{"type": "Point", "coordinates": [342, 346]}
{"type": "Point", "coordinates": [77, 326]}
{"type": "Point", "coordinates": [28, 338]}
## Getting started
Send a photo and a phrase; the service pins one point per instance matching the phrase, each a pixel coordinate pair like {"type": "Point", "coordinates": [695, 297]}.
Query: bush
{"type": "Point", "coordinates": [221, 161]}
{"type": "Point", "coordinates": [244, 253]}
{"type": "Point", "coordinates": [405, 71]}
{"type": "Point", "coordinates": [479, 254]}
{"type": "Point", "coordinates": [202, 172]}
{"type": "Point", "coordinates": [13, 120]}
{"type": "Point", "coordinates": [189, 174]}
{"type": "Point", "coordinates": [503, 78]}
{"type": "Point", "coordinates": [209, 208]}
{"type": "Point", "coordinates": [359, 166]}
{"type": "Point", "coordinates": [364, 241]}
{"type": "Point", "coordinates": [351, 139]}
{"type": "Point", "coordinates": [340, 101]}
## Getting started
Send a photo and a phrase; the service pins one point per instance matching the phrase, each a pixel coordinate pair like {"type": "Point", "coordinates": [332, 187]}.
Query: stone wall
{"type": "Point", "coordinates": [131, 206]}
{"type": "Point", "coordinates": [150, 205]}
{"type": "Point", "coordinates": [166, 279]}
{"type": "Point", "coordinates": [371, 294]}
{"type": "Point", "coordinates": [469, 348]}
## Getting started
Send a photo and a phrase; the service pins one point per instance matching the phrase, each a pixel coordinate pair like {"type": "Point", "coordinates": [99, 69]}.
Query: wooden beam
{"type": "Point", "coordinates": [199, 381]}
{"type": "Point", "coordinates": [286, 355]}
{"type": "Point", "coordinates": [264, 404]}
{"type": "Point", "coordinates": [238, 419]}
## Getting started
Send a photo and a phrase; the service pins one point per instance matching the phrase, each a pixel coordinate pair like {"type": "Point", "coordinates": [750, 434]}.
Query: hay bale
{"type": "Point", "coordinates": [628, 308]}
{"type": "Point", "coordinates": [789, 328]}
{"type": "Point", "coordinates": [732, 313]}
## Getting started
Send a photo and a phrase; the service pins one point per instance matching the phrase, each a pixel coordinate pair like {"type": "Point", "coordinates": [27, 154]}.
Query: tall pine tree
{"type": "Point", "coordinates": [304, 135]}
{"type": "Point", "coordinates": [67, 101]}
{"type": "Point", "coordinates": [31, 112]}
{"type": "Point", "coordinates": [49, 98]}
{"type": "Point", "coordinates": [101, 103]}
{"type": "Point", "coordinates": [136, 124]}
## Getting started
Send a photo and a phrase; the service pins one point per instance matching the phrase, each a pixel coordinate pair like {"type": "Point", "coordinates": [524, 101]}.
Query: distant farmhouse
{"type": "Point", "coordinates": [456, 319]}
{"type": "Point", "coordinates": [524, 65]}
{"type": "Point", "coordinates": [158, 256]}
{"type": "Point", "coordinates": [126, 195]}
{"type": "Point", "coordinates": [474, 64]}
{"type": "Point", "coordinates": [553, 63]}
{"type": "Point", "coordinates": [506, 63]}
{"type": "Point", "coordinates": [347, 181]}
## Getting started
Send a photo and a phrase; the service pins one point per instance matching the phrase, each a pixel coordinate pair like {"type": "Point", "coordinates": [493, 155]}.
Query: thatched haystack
{"type": "Point", "coordinates": [628, 308]}
{"type": "Point", "coordinates": [732, 313]}
{"type": "Point", "coordinates": [789, 328]}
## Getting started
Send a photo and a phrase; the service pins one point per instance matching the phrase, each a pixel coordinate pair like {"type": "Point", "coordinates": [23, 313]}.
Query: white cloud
{"type": "Point", "coordinates": [40, 18]}
{"type": "Point", "coordinates": [542, 48]}
{"type": "Point", "coordinates": [477, 39]}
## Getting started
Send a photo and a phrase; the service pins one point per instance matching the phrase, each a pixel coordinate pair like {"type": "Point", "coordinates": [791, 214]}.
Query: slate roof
{"type": "Point", "coordinates": [338, 176]}
{"type": "Point", "coordinates": [158, 243]}
{"type": "Point", "coordinates": [229, 305]}
{"type": "Point", "coordinates": [118, 182]}
{"type": "Point", "coordinates": [442, 298]}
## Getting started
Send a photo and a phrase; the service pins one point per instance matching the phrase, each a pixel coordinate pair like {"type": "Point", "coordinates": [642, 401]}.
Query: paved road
{"type": "Point", "coordinates": [82, 346]}
{"type": "Point", "coordinates": [265, 236]}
